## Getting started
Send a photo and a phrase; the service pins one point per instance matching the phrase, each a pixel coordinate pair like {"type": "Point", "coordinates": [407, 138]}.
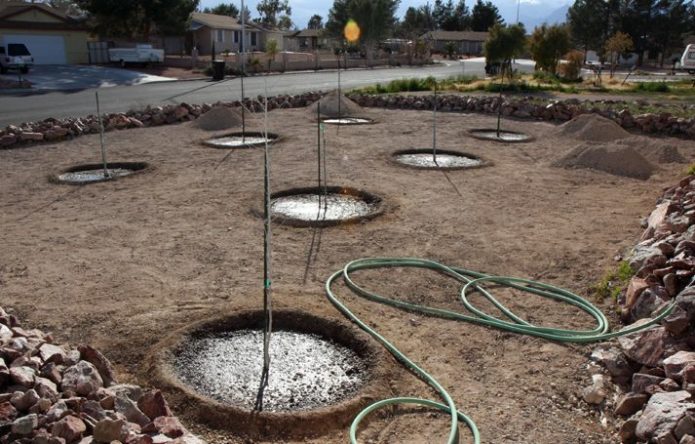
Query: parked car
{"type": "Point", "coordinates": [688, 60]}
{"type": "Point", "coordinates": [15, 56]}
{"type": "Point", "coordinates": [141, 54]}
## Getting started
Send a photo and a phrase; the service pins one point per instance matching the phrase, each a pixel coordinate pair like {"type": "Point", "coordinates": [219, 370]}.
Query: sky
{"type": "Point", "coordinates": [302, 10]}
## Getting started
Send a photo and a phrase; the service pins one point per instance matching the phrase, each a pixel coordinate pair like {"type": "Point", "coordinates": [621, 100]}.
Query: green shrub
{"type": "Point", "coordinates": [691, 170]}
{"type": "Point", "coordinates": [652, 87]}
{"type": "Point", "coordinates": [614, 282]}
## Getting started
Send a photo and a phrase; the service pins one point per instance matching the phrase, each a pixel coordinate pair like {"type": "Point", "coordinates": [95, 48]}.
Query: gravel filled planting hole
{"type": "Point", "coordinates": [502, 136]}
{"type": "Point", "coordinates": [318, 207]}
{"type": "Point", "coordinates": [94, 173]}
{"type": "Point", "coordinates": [445, 159]}
{"type": "Point", "coordinates": [241, 140]}
{"type": "Point", "coordinates": [321, 373]}
{"type": "Point", "coordinates": [347, 121]}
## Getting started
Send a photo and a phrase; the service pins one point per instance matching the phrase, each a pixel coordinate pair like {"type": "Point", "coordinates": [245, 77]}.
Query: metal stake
{"type": "Point", "coordinates": [243, 73]}
{"type": "Point", "coordinates": [101, 138]}
{"type": "Point", "coordinates": [434, 125]}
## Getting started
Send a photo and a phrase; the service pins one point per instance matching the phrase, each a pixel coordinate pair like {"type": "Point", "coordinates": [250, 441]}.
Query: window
{"type": "Point", "coordinates": [691, 55]}
{"type": "Point", "coordinates": [17, 49]}
{"type": "Point", "coordinates": [236, 36]}
{"type": "Point", "coordinates": [2, 50]}
{"type": "Point", "coordinates": [220, 35]}
{"type": "Point", "coordinates": [253, 39]}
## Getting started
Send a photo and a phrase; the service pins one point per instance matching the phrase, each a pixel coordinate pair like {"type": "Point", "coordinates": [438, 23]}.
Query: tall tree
{"type": "Point", "coordinates": [484, 16]}
{"type": "Point", "coordinates": [270, 11]}
{"type": "Point", "coordinates": [285, 22]}
{"type": "Point", "coordinates": [139, 17]}
{"type": "Point", "coordinates": [229, 9]}
{"type": "Point", "coordinates": [417, 21]}
{"type": "Point", "coordinates": [589, 22]}
{"type": "Point", "coordinates": [315, 22]}
{"type": "Point", "coordinates": [376, 18]}
{"type": "Point", "coordinates": [548, 44]}
{"type": "Point", "coordinates": [619, 43]}
{"type": "Point", "coordinates": [450, 17]}
{"type": "Point", "coordinates": [505, 44]}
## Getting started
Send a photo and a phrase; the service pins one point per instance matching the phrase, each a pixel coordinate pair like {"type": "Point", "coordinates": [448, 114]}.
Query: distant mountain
{"type": "Point", "coordinates": [535, 14]}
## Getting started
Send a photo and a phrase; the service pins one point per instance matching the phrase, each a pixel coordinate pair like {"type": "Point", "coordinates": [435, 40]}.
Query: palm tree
{"type": "Point", "coordinates": [271, 51]}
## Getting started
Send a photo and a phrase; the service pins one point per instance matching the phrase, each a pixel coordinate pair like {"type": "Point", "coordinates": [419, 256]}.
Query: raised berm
{"type": "Point", "coordinates": [323, 207]}
{"type": "Point", "coordinates": [218, 118]}
{"type": "Point", "coordinates": [321, 373]}
{"type": "Point", "coordinates": [336, 109]}
{"type": "Point", "coordinates": [95, 173]}
{"type": "Point", "coordinates": [443, 159]}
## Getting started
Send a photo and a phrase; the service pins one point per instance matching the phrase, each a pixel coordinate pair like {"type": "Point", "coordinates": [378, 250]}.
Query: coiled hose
{"type": "Point", "coordinates": [471, 281]}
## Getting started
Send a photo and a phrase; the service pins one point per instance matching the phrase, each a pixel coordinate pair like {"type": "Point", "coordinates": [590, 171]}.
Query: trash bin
{"type": "Point", "coordinates": [218, 70]}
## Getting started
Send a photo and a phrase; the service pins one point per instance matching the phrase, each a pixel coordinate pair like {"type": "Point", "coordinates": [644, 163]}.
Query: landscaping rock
{"type": "Point", "coordinates": [662, 413]}
{"type": "Point", "coordinates": [82, 378]}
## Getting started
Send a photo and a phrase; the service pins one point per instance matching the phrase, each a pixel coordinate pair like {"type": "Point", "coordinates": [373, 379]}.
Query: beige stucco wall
{"type": "Point", "coordinates": [75, 42]}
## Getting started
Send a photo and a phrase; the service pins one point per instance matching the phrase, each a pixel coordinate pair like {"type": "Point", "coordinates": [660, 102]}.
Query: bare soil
{"type": "Point", "coordinates": [122, 264]}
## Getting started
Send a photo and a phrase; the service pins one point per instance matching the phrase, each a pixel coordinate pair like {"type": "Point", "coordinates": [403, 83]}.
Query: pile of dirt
{"type": "Point", "coordinates": [614, 159]}
{"type": "Point", "coordinates": [334, 105]}
{"type": "Point", "coordinates": [655, 151]}
{"type": "Point", "coordinates": [218, 118]}
{"type": "Point", "coordinates": [593, 128]}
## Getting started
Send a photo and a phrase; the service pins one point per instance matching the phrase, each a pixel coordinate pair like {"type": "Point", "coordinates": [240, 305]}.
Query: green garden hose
{"type": "Point", "coordinates": [471, 282]}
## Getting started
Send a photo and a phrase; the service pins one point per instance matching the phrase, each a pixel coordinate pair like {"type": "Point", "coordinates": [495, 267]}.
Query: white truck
{"type": "Point", "coordinates": [688, 60]}
{"type": "Point", "coordinates": [141, 54]}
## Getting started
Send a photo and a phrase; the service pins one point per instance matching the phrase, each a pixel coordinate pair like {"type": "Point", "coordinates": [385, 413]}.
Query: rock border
{"type": "Point", "coordinates": [474, 133]}
{"type": "Point", "coordinates": [57, 394]}
{"type": "Point", "coordinates": [653, 371]}
{"type": "Point", "coordinates": [53, 130]}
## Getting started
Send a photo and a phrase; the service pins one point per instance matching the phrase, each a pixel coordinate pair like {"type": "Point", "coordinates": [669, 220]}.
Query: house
{"type": "Point", "coordinates": [466, 42]}
{"type": "Point", "coordinates": [52, 37]}
{"type": "Point", "coordinates": [308, 39]}
{"type": "Point", "coordinates": [225, 33]}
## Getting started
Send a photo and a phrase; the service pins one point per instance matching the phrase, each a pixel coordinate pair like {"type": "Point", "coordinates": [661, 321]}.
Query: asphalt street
{"type": "Point", "coordinates": [16, 108]}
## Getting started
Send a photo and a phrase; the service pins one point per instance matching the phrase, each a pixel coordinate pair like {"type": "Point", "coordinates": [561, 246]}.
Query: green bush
{"type": "Point", "coordinates": [614, 282]}
{"type": "Point", "coordinates": [661, 87]}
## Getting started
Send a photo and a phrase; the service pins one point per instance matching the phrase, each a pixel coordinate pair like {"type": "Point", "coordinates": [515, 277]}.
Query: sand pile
{"type": "Point", "coordinates": [654, 150]}
{"type": "Point", "coordinates": [593, 128]}
{"type": "Point", "coordinates": [335, 105]}
{"type": "Point", "coordinates": [217, 119]}
{"type": "Point", "coordinates": [614, 159]}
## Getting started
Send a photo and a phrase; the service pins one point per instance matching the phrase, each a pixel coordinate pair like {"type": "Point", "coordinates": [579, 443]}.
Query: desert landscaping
{"type": "Point", "coordinates": [129, 267]}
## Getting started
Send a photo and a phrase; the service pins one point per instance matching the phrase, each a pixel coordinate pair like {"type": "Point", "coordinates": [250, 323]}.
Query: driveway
{"type": "Point", "coordinates": [75, 77]}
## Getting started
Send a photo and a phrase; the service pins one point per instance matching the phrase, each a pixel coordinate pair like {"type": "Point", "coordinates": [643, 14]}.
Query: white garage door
{"type": "Point", "coordinates": [46, 49]}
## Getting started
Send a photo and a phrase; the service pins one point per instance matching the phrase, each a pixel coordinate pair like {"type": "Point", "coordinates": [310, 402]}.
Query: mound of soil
{"type": "Point", "coordinates": [218, 118]}
{"type": "Point", "coordinates": [613, 159]}
{"type": "Point", "coordinates": [654, 151]}
{"type": "Point", "coordinates": [593, 128]}
{"type": "Point", "coordinates": [335, 105]}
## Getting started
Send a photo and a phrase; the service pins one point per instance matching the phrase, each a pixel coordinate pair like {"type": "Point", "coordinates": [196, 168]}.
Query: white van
{"type": "Point", "coordinates": [688, 60]}
{"type": "Point", "coordinates": [15, 56]}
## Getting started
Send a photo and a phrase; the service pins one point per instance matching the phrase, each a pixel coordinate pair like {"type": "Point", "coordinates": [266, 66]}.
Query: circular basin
{"type": "Point", "coordinates": [347, 121]}
{"type": "Point", "coordinates": [501, 136]}
{"type": "Point", "coordinates": [324, 207]}
{"type": "Point", "coordinates": [322, 372]}
{"type": "Point", "coordinates": [241, 140]}
{"type": "Point", "coordinates": [444, 160]}
{"type": "Point", "coordinates": [94, 173]}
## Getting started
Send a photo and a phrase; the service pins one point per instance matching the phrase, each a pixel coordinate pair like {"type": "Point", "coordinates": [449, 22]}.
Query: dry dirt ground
{"type": "Point", "coordinates": [122, 264]}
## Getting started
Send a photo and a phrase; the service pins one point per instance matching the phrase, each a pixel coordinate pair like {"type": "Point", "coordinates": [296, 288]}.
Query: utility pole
{"type": "Point", "coordinates": [518, 9]}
